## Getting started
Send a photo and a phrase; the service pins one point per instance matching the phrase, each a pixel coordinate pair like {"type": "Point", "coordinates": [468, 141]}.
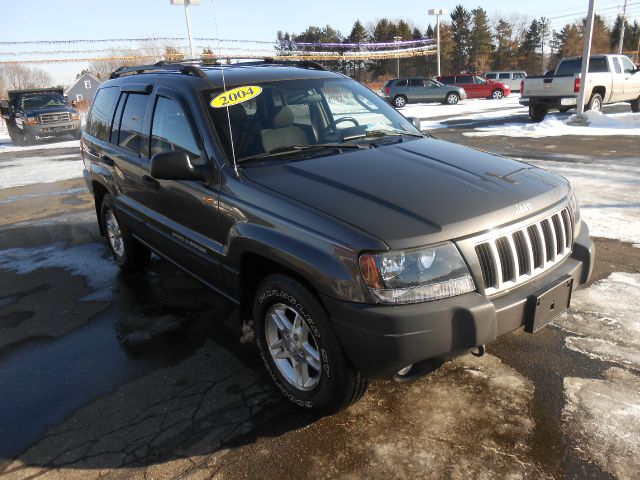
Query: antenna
{"type": "Point", "coordinates": [224, 88]}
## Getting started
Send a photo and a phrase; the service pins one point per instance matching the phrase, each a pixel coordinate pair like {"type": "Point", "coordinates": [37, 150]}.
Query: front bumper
{"type": "Point", "coordinates": [54, 129]}
{"type": "Point", "coordinates": [382, 339]}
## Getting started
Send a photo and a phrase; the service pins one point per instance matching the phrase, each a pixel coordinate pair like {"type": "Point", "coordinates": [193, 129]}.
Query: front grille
{"type": "Point", "coordinates": [514, 257]}
{"type": "Point", "coordinates": [47, 118]}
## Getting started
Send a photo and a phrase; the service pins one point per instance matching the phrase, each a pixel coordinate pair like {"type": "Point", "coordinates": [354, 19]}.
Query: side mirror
{"type": "Point", "coordinates": [416, 122]}
{"type": "Point", "coordinates": [174, 165]}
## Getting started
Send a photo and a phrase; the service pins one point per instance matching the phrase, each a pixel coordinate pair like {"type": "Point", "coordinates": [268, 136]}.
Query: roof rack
{"type": "Point", "coordinates": [191, 66]}
{"type": "Point", "coordinates": [160, 66]}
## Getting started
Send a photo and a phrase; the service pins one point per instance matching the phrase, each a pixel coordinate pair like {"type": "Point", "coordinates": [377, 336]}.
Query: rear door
{"type": "Point", "coordinates": [125, 153]}
{"type": "Point", "coordinates": [417, 91]}
{"type": "Point", "coordinates": [182, 215]}
{"type": "Point", "coordinates": [466, 82]}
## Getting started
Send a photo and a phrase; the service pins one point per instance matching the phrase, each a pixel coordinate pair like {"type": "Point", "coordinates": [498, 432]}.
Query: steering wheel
{"type": "Point", "coordinates": [332, 126]}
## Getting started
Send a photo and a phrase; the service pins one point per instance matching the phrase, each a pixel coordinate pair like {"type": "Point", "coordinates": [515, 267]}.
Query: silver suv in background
{"type": "Point", "coordinates": [512, 78]}
{"type": "Point", "coordinates": [400, 91]}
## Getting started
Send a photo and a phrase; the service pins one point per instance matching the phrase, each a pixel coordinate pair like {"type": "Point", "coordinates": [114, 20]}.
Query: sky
{"type": "Point", "coordinates": [32, 20]}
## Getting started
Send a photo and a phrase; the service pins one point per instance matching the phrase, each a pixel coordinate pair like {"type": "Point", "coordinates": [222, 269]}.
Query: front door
{"type": "Point", "coordinates": [182, 215]}
{"type": "Point", "coordinates": [631, 80]}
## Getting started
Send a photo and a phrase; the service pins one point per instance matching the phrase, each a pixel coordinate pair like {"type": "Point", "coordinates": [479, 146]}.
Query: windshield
{"type": "Point", "coordinates": [288, 115]}
{"type": "Point", "coordinates": [44, 100]}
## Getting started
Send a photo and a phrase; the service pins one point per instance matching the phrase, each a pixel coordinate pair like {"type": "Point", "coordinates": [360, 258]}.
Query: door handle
{"type": "Point", "coordinates": [107, 160]}
{"type": "Point", "coordinates": [150, 181]}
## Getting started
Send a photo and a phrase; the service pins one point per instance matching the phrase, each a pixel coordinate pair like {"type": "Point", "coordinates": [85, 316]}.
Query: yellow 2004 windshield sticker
{"type": "Point", "coordinates": [235, 96]}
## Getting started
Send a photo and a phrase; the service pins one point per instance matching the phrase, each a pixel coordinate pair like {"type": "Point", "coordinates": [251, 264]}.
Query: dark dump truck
{"type": "Point", "coordinates": [32, 114]}
{"type": "Point", "coordinates": [355, 246]}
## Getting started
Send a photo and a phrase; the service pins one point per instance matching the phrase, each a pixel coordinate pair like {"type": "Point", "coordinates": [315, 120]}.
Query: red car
{"type": "Point", "coordinates": [476, 86]}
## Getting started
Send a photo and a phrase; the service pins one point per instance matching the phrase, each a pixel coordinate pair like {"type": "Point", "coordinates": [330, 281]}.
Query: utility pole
{"type": "Point", "coordinates": [187, 4]}
{"type": "Point", "coordinates": [622, 29]}
{"type": "Point", "coordinates": [586, 53]}
{"type": "Point", "coordinates": [544, 29]}
{"type": "Point", "coordinates": [437, 12]}
{"type": "Point", "coordinates": [397, 40]}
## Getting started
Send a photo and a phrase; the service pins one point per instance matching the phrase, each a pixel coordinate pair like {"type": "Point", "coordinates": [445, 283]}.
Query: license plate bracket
{"type": "Point", "coordinates": [547, 304]}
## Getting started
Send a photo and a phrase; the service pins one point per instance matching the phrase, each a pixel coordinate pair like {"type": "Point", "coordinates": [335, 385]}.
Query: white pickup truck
{"type": "Point", "coordinates": [611, 78]}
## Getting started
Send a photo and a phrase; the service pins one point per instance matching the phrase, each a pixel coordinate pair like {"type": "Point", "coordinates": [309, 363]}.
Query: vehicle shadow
{"type": "Point", "coordinates": [179, 383]}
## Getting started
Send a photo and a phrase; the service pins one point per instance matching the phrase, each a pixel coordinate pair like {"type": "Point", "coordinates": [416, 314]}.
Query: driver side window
{"type": "Point", "coordinates": [171, 130]}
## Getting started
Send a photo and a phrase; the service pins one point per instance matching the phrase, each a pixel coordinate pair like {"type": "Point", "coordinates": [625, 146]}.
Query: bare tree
{"type": "Point", "coordinates": [40, 78]}
{"type": "Point", "coordinates": [17, 76]}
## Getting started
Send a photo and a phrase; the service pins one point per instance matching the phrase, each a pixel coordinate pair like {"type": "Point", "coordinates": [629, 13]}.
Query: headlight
{"type": "Point", "coordinates": [75, 116]}
{"type": "Point", "coordinates": [418, 275]}
{"type": "Point", "coordinates": [575, 214]}
{"type": "Point", "coordinates": [32, 120]}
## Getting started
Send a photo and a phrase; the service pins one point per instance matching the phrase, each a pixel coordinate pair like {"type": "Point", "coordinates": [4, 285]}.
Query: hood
{"type": "Point", "coordinates": [417, 192]}
{"type": "Point", "coordinates": [40, 111]}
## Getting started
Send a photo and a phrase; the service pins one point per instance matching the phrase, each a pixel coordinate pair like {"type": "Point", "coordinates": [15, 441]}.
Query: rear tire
{"type": "Point", "coordinates": [400, 101]}
{"type": "Point", "coordinates": [537, 112]}
{"type": "Point", "coordinates": [595, 103]}
{"type": "Point", "coordinates": [635, 105]}
{"type": "Point", "coordinates": [564, 109]}
{"type": "Point", "coordinates": [497, 94]}
{"type": "Point", "coordinates": [300, 349]}
{"type": "Point", "coordinates": [452, 99]}
{"type": "Point", "coordinates": [130, 255]}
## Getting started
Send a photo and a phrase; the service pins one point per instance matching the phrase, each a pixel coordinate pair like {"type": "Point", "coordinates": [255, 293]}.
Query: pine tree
{"type": "Point", "coordinates": [503, 52]}
{"type": "Point", "coordinates": [529, 59]}
{"type": "Point", "coordinates": [460, 21]}
{"type": "Point", "coordinates": [358, 35]}
{"type": "Point", "coordinates": [430, 33]}
{"type": "Point", "coordinates": [480, 45]}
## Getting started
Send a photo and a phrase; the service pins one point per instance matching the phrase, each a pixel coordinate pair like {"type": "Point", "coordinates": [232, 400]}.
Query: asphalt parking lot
{"type": "Point", "coordinates": [146, 376]}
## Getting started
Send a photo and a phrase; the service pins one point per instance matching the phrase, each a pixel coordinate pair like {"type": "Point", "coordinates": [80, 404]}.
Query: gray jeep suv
{"type": "Point", "coordinates": [400, 91]}
{"type": "Point", "coordinates": [355, 246]}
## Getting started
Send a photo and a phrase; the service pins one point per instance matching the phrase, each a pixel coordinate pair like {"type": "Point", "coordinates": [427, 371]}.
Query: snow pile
{"type": "Point", "coordinates": [601, 419]}
{"type": "Point", "coordinates": [425, 111]}
{"type": "Point", "coordinates": [88, 260]}
{"type": "Point", "coordinates": [40, 169]}
{"type": "Point", "coordinates": [598, 125]}
{"type": "Point", "coordinates": [605, 316]}
{"type": "Point", "coordinates": [608, 194]}
{"type": "Point", "coordinates": [7, 146]}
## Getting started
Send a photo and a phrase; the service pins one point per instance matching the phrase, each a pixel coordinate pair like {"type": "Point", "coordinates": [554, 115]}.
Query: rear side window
{"type": "Point", "coordinates": [574, 66]}
{"type": "Point", "coordinates": [464, 79]}
{"type": "Point", "coordinates": [171, 130]}
{"type": "Point", "coordinates": [416, 82]}
{"type": "Point", "coordinates": [401, 83]}
{"type": "Point", "coordinates": [448, 80]}
{"type": "Point", "coordinates": [130, 135]}
{"type": "Point", "coordinates": [505, 76]}
{"type": "Point", "coordinates": [490, 76]}
{"type": "Point", "coordinates": [519, 75]}
{"type": "Point", "coordinates": [598, 65]}
{"type": "Point", "coordinates": [99, 121]}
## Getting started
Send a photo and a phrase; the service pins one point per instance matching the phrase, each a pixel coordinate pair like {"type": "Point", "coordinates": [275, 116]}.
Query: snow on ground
{"type": "Point", "coordinates": [40, 169]}
{"type": "Point", "coordinates": [89, 260]}
{"type": "Point", "coordinates": [498, 108]}
{"type": "Point", "coordinates": [605, 318]}
{"type": "Point", "coordinates": [601, 419]}
{"type": "Point", "coordinates": [599, 124]}
{"type": "Point", "coordinates": [7, 146]}
{"type": "Point", "coordinates": [608, 194]}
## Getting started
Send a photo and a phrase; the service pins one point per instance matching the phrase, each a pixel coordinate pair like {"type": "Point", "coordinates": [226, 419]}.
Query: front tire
{"type": "Point", "coordinates": [452, 99]}
{"type": "Point", "coordinates": [130, 255]}
{"type": "Point", "coordinates": [537, 112]}
{"type": "Point", "coordinates": [300, 350]}
{"type": "Point", "coordinates": [595, 103]}
{"type": "Point", "coordinates": [564, 109]}
{"type": "Point", "coordinates": [497, 94]}
{"type": "Point", "coordinates": [635, 105]}
{"type": "Point", "coordinates": [400, 101]}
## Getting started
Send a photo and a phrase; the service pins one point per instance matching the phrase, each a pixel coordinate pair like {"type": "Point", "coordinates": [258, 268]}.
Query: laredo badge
{"type": "Point", "coordinates": [235, 96]}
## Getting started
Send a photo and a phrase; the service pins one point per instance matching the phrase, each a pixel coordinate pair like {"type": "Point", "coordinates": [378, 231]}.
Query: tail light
{"type": "Point", "coordinates": [521, 86]}
{"type": "Point", "coordinates": [387, 90]}
{"type": "Point", "coordinates": [576, 85]}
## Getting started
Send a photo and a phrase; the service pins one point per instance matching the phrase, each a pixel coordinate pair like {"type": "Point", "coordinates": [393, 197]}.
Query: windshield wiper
{"type": "Point", "coordinates": [300, 148]}
{"type": "Point", "coordinates": [383, 133]}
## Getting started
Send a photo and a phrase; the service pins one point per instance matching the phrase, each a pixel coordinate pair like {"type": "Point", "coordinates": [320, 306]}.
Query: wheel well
{"type": "Point", "coordinates": [601, 90]}
{"type": "Point", "coordinates": [99, 191]}
{"type": "Point", "coordinates": [253, 269]}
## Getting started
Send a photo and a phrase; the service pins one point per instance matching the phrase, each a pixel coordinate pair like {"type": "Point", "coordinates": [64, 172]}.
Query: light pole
{"type": "Point", "coordinates": [437, 12]}
{"type": "Point", "coordinates": [586, 53]}
{"type": "Point", "coordinates": [397, 40]}
{"type": "Point", "coordinates": [187, 4]}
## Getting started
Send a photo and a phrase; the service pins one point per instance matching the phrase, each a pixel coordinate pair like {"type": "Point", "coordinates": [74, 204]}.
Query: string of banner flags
{"type": "Point", "coordinates": [286, 49]}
